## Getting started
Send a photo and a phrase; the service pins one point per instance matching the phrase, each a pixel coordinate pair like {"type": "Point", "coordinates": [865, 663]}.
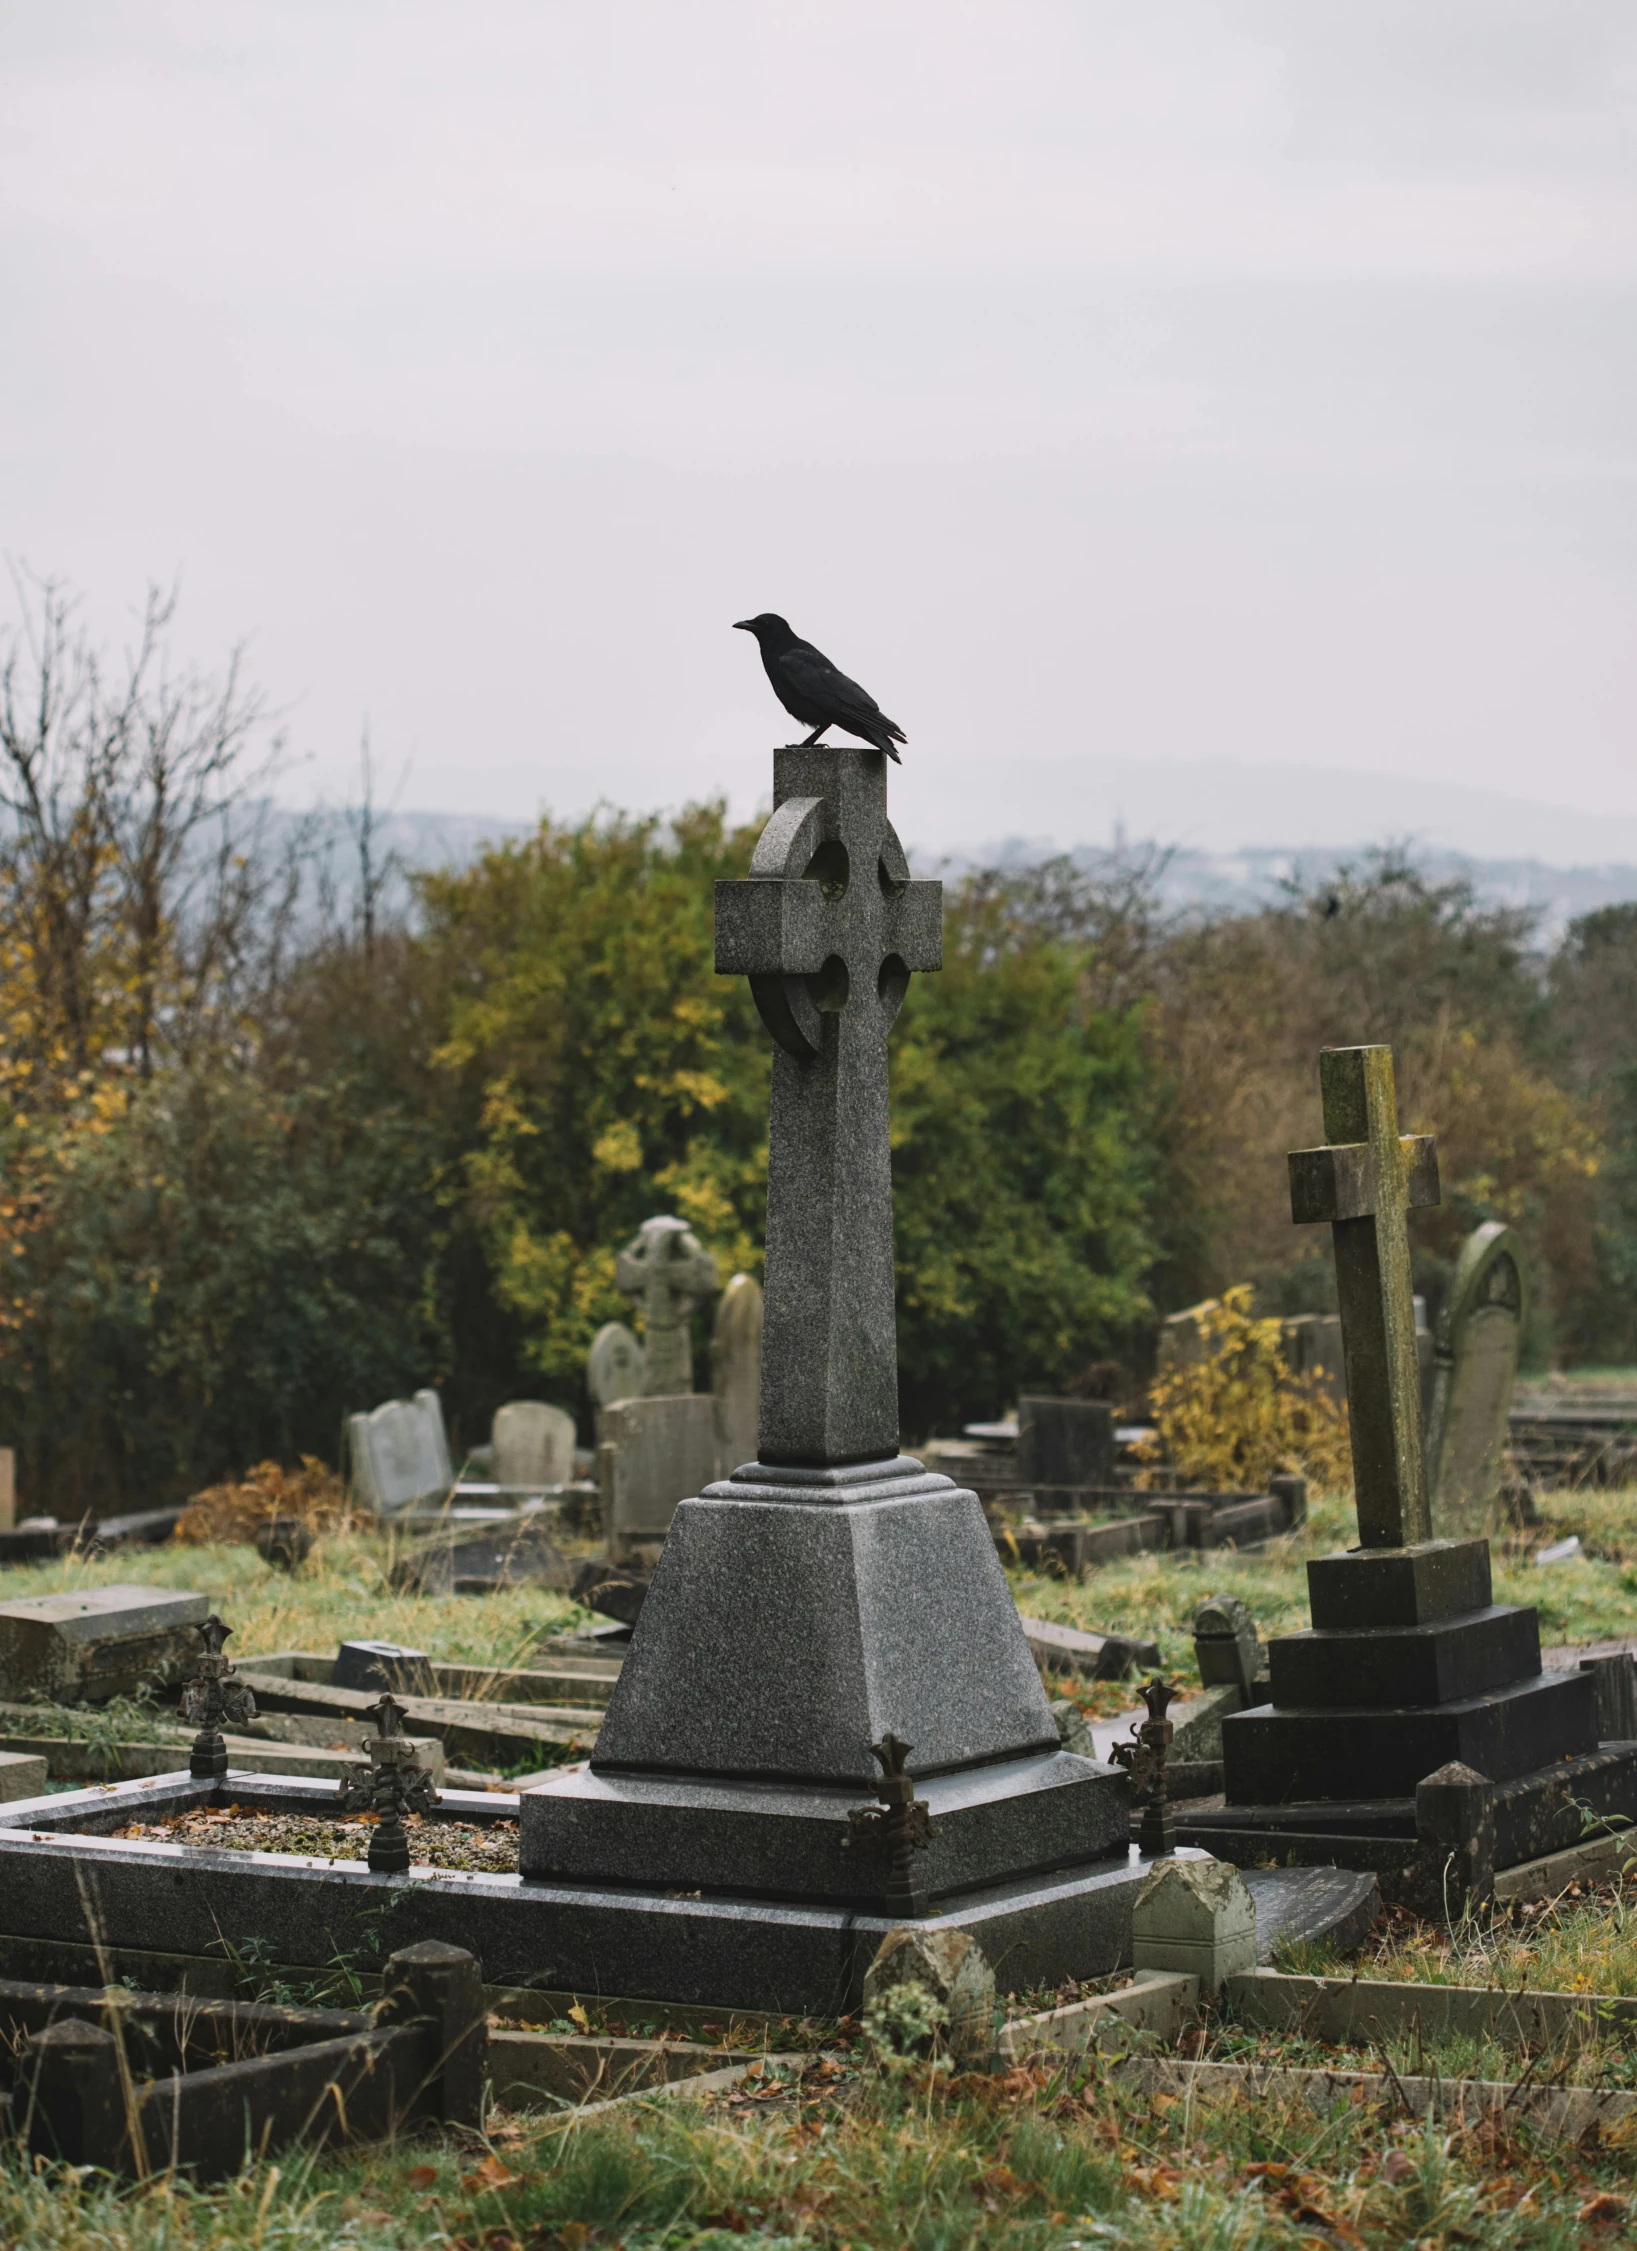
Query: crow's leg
{"type": "Point", "coordinates": [817, 731]}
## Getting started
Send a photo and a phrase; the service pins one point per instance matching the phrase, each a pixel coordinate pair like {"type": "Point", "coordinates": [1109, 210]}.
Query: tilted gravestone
{"type": "Point", "coordinates": [400, 1455]}
{"type": "Point", "coordinates": [532, 1445]}
{"type": "Point", "coordinates": [666, 1266]}
{"type": "Point", "coordinates": [736, 1370]}
{"type": "Point", "coordinates": [1477, 1362]}
{"type": "Point", "coordinates": [1415, 1703]}
{"type": "Point", "coordinates": [84, 1647]}
{"type": "Point", "coordinates": [831, 1624]}
{"type": "Point", "coordinates": [654, 1453]}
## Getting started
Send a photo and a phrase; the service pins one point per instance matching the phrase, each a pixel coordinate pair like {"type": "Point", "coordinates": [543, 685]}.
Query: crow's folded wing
{"type": "Point", "coordinates": [816, 678]}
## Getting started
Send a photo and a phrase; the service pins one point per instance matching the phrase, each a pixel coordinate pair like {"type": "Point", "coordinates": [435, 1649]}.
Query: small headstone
{"type": "Point", "coordinates": [669, 1270]}
{"type": "Point", "coordinates": [384, 1664]}
{"type": "Point", "coordinates": [1073, 1729]}
{"type": "Point", "coordinates": [1225, 1643]}
{"type": "Point", "coordinates": [1477, 1361]}
{"type": "Point", "coordinates": [400, 1455]}
{"type": "Point", "coordinates": [1068, 1649]}
{"type": "Point", "coordinates": [615, 1368]}
{"type": "Point", "coordinates": [606, 1588]}
{"type": "Point", "coordinates": [22, 1775]}
{"type": "Point", "coordinates": [533, 1445]}
{"type": "Point", "coordinates": [655, 1453]}
{"type": "Point", "coordinates": [1065, 1442]}
{"type": "Point", "coordinates": [102, 1642]}
{"type": "Point", "coordinates": [1196, 1917]}
{"type": "Point", "coordinates": [284, 1542]}
{"type": "Point", "coordinates": [949, 1987]}
{"type": "Point", "coordinates": [736, 1371]}
{"type": "Point", "coordinates": [484, 1562]}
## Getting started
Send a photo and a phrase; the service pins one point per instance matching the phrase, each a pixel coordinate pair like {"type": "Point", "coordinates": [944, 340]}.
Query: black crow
{"type": "Point", "coordinates": [813, 691]}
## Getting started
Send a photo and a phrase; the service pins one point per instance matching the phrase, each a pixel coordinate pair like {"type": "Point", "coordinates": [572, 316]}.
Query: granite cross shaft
{"type": "Point", "coordinates": [1366, 1183]}
{"type": "Point", "coordinates": [828, 927]}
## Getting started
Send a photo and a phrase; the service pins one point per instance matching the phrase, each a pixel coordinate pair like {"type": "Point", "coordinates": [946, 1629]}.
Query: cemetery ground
{"type": "Point", "coordinates": [821, 2147]}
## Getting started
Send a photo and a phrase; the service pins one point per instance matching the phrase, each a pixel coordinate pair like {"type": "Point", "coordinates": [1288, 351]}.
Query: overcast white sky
{"type": "Point", "coordinates": [1108, 387]}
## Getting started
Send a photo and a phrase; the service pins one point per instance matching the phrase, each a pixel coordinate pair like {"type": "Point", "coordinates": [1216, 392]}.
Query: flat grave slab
{"type": "Point", "coordinates": [87, 1645]}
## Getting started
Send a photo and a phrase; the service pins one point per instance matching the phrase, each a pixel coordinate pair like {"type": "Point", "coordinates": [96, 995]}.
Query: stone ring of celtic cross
{"type": "Point", "coordinates": [833, 918]}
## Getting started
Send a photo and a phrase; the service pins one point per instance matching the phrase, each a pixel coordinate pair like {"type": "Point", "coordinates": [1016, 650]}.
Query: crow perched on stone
{"type": "Point", "coordinates": [813, 691]}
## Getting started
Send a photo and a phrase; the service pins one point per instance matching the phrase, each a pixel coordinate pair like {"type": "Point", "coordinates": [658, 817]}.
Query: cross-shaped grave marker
{"type": "Point", "coordinates": [1366, 1183]}
{"type": "Point", "coordinates": [666, 1266]}
{"type": "Point", "coordinates": [828, 927]}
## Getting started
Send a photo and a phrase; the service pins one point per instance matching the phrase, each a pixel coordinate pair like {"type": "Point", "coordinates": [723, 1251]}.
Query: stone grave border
{"type": "Point", "coordinates": [322, 2076]}
{"type": "Point", "coordinates": [66, 1883]}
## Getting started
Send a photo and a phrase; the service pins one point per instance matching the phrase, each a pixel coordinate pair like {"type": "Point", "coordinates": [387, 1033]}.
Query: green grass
{"type": "Point", "coordinates": [1024, 2161]}
{"type": "Point", "coordinates": [342, 1592]}
{"type": "Point", "coordinates": [1592, 1597]}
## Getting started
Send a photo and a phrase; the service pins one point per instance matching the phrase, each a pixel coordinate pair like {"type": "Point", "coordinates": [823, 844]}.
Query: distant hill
{"type": "Point", "coordinates": [1188, 877]}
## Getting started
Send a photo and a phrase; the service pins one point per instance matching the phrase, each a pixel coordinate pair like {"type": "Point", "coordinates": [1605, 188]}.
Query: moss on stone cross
{"type": "Point", "coordinates": [1366, 1182]}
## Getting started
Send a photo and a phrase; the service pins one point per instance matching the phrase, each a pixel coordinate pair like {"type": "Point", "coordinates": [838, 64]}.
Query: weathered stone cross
{"type": "Point", "coordinates": [1366, 1183]}
{"type": "Point", "coordinates": [666, 1266]}
{"type": "Point", "coordinates": [828, 927]}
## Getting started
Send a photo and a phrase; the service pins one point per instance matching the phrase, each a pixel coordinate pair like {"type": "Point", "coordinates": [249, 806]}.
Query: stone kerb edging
{"type": "Point", "coordinates": [1566, 2111]}
{"type": "Point", "coordinates": [1352, 2011]}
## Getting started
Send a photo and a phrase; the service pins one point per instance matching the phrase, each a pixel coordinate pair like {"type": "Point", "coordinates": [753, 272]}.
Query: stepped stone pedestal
{"type": "Point", "coordinates": [1411, 1730]}
{"type": "Point", "coordinates": [829, 1709]}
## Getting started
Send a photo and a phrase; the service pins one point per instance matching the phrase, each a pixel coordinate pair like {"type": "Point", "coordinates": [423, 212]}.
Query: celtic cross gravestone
{"type": "Point", "coordinates": [833, 1595]}
{"type": "Point", "coordinates": [828, 927]}
{"type": "Point", "coordinates": [669, 1270]}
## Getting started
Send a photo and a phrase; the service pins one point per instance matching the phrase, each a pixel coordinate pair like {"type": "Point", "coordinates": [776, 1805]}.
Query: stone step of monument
{"type": "Point", "coordinates": [1444, 1662]}
{"type": "Point", "coordinates": [497, 1735]}
{"type": "Point", "coordinates": [1546, 1811]}
{"type": "Point", "coordinates": [1274, 1755]}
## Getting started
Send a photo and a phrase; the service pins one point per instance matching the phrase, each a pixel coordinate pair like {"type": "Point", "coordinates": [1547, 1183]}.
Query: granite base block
{"type": "Point", "coordinates": [1273, 1756]}
{"type": "Point", "coordinates": [1411, 1586]}
{"type": "Point", "coordinates": [1446, 1662]}
{"type": "Point", "coordinates": [796, 1617]}
{"type": "Point", "coordinates": [1016, 1819]}
{"type": "Point", "coordinates": [714, 1952]}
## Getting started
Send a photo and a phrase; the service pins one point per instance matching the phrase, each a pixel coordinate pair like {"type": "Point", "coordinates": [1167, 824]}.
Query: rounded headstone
{"type": "Point", "coordinates": [616, 1367]}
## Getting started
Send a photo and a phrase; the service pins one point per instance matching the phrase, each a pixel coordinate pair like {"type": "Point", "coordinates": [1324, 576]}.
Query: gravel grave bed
{"type": "Point", "coordinates": [491, 1849]}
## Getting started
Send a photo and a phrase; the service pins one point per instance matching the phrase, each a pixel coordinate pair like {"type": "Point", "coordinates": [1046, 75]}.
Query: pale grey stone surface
{"type": "Point", "coordinates": [1194, 1916]}
{"type": "Point", "coordinates": [98, 1642]}
{"type": "Point", "coordinates": [532, 1445]}
{"type": "Point", "coordinates": [400, 1454]}
{"type": "Point", "coordinates": [1477, 1363]}
{"type": "Point", "coordinates": [654, 1453]}
{"type": "Point", "coordinates": [736, 1370]}
{"type": "Point", "coordinates": [668, 1269]}
{"type": "Point", "coordinates": [22, 1775]}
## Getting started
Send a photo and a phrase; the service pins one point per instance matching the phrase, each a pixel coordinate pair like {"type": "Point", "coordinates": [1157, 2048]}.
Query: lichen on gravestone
{"type": "Point", "coordinates": [929, 1996]}
{"type": "Point", "coordinates": [1195, 1916]}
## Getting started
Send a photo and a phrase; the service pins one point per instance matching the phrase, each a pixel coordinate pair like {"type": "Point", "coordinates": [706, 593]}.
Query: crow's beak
{"type": "Point", "coordinates": [743, 625]}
